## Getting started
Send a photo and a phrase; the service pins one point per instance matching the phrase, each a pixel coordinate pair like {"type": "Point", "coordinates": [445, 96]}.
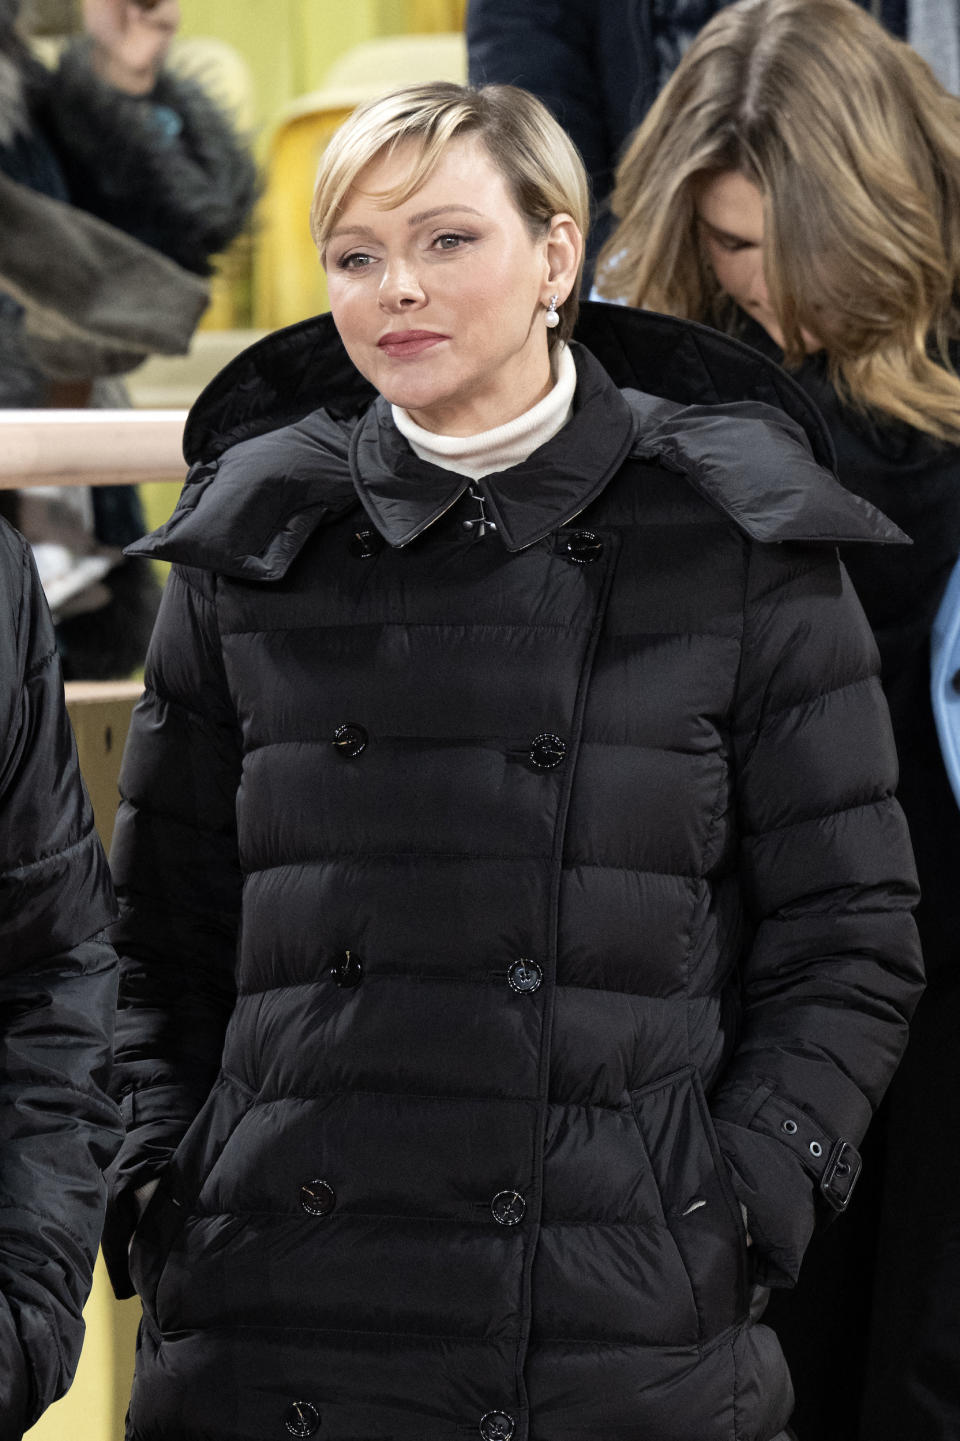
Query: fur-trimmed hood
{"type": "Point", "coordinates": [168, 168]}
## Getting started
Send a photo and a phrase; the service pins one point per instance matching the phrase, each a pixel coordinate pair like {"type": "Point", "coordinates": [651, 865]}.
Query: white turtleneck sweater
{"type": "Point", "coordinates": [506, 445]}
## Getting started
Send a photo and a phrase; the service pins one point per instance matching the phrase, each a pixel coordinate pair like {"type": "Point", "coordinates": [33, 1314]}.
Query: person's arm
{"type": "Point", "coordinates": [142, 148]}
{"type": "Point", "coordinates": [833, 971]}
{"type": "Point", "coordinates": [58, 983]}
{"type": "Point", "coordinates": [177, 873]}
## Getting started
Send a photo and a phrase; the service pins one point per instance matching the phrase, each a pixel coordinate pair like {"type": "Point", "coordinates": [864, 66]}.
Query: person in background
{"type": "Point", "coordinates": [797, 185]}
{"type": "Point", "coordinates": [600, 64]}
{"type": "Point", "coordinates": [58, 985]}
{"type": "Point", "coordinates": [114, 133]}
{"type": "Point", "coordinates": [515, 911]}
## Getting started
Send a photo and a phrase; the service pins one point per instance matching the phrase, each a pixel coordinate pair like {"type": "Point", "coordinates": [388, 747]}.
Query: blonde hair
{"type": "Point", "coordinates": [856, 149]}
{"type": "Point", "coordinates": [538, 161]}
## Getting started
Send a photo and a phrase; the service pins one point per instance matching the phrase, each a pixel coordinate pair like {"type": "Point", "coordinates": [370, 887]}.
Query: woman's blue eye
{"type": "Point", "coordinates": [450, 241]}
{"type": "Point", "coordinates": [357, 261]}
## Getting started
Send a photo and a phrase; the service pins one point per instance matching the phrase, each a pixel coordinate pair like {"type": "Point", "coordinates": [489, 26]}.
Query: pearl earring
{"type": "Point", "coordinates": [551, 317]}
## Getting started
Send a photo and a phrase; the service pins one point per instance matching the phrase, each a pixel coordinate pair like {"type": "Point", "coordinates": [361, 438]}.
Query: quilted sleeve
{"type": "Point", "coordinates": [833, 971]}
{"type": "Point", "coordinates": [177, 874]}
{"type": "Point", "coordinates": [58, 1129]}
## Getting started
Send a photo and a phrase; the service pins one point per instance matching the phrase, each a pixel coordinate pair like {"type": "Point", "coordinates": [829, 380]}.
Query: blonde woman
{"type": "Point", "coordinates": [797, 184]}
{"type": "Point", "coordinates": [516, 918]}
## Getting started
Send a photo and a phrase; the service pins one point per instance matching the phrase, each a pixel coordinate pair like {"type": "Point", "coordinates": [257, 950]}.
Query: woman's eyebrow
{"type": "Point", "coordinates": [418, 219]}
{"type": "Point", "coordinates": [423, 215]}
{"type": "Point", "coordinates": [727, 234]}
{"type": "Point", "coordinates": [363, 230]}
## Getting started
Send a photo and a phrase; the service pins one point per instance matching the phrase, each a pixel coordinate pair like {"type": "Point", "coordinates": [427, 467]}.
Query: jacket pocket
{"type": "Point", "coordinates": [699, 1205]}
{"type": "Point", "coordinates": [159, 1229]}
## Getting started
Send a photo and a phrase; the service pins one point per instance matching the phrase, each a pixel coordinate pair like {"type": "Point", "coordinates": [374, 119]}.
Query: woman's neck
{"type": "Point", "coordinates": [504, 446]}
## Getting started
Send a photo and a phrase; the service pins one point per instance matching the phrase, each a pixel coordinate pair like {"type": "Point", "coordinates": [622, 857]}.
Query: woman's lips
{"type": "Point", "coordinates": [402, 344]}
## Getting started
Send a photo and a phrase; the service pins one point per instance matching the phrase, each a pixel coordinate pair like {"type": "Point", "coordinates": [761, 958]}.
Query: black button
{"type": "Point", "coordinates": [365, 543]}
{"type": "Point", "coordinates": [497, 1426]}
{"type": "Point", "coordinates": [583, 547]}
{"type": "Point", "coordinates": [317, 1198]}
{"type": "Point", "coordinates": [302, 1419]}
{"type": "Point", "coordinates": [525, 976]}
{"type": "Point", "coordinates": [350, 740]}
{"type": "Point", "coordinates": [348, 972]}
{"type": "Point", "coordinates": [547, 751]}
{"type": "Point", "coordinates": [508, 1208]}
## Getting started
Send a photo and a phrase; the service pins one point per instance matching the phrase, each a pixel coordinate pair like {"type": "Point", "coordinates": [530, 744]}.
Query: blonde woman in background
{"type": "Point", "coordinates": [797, 184]}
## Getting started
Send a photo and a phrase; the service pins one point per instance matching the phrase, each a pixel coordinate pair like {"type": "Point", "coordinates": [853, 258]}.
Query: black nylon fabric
{"type": "Point", "coordinates": [58, 987]}
{"type": "Point", "coordinates": [400, 1195]}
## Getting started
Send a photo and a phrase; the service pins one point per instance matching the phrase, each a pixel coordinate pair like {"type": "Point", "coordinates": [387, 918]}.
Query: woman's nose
{"type": "Point", "coordinates": [759, 294]}
{"type": "Point", "coordinates": [400, 287]}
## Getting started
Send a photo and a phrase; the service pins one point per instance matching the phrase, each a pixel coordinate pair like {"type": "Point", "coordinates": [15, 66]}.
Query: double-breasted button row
{"type": "Point", "coordinates": [317, 1198]}
{"type": "Point", "coordinates": [497, 1426]}
{"type": "Point", "coordinates": [524, 976]}
{"type": "Point", "coordinates": [547, 750]}
{"type": "Point", "coordinates": [302, 1419]}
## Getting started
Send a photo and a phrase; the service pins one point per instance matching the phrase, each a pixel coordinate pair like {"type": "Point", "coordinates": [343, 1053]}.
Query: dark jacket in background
{"type": "Point", "coordinates": [598, 65]}
{"type": "Point", "coordinates": [124, 201]}
{"type": "Point", "coordinates": [498, 914]}
{"type": "Point", "coordinates": [165, 169]}
{"type": "Point", "coordinates": [881, 1292]}
{"type": "Point", "coordinates": [57, 998]}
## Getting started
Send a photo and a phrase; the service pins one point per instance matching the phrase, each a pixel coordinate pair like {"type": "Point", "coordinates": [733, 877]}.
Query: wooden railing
{"type": "Point", "coordinates": [90, 447]}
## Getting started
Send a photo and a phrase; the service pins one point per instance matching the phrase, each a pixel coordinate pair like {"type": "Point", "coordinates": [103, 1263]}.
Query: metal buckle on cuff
{"type": "Point", "coordinates": [840, 1175]}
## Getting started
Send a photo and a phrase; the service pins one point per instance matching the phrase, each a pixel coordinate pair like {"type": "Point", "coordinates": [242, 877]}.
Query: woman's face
{"type": "Point", "coordinates": [440, 301]}
{"type": "Point", "coordinates": [730, 214]}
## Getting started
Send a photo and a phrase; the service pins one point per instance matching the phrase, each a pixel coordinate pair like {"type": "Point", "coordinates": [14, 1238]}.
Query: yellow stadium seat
{"type": "Point", "coordinates": [379, 64]}
{"type": "Point", "coordinates": [219, 69]}
{"type": "Point", "coordinates": [288, 280]}
{"type": "Point", "coordinates": [226, 76]}
{"type": "Point", "coordinates": [427, 15]}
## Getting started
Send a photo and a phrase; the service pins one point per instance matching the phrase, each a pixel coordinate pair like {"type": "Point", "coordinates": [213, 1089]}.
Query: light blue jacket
{"type": "Point", "coordinates": [945, 677]}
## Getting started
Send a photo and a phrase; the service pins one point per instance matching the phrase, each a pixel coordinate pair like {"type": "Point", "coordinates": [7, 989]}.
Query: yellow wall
{"type": "Point", "coordinates": [289, 44]}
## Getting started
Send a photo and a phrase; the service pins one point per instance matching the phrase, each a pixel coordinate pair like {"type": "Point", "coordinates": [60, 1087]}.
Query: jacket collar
{"type": "Point", "coordinates": [403, 494]}
{"type": "Point", "coordinates": [754, 463]}
{"type": "Point", "coordinates": [284, 440]}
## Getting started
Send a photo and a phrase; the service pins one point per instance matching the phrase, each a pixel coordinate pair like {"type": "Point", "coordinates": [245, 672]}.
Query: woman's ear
{"type": "Point", "coordinates": [563, 253]}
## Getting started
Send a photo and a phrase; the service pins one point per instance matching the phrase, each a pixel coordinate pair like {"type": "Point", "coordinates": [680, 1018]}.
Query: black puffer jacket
{"type": "Point", "coordinates": [499, 913]}
{"type": "Point", "coordinates": [57, 1000]}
